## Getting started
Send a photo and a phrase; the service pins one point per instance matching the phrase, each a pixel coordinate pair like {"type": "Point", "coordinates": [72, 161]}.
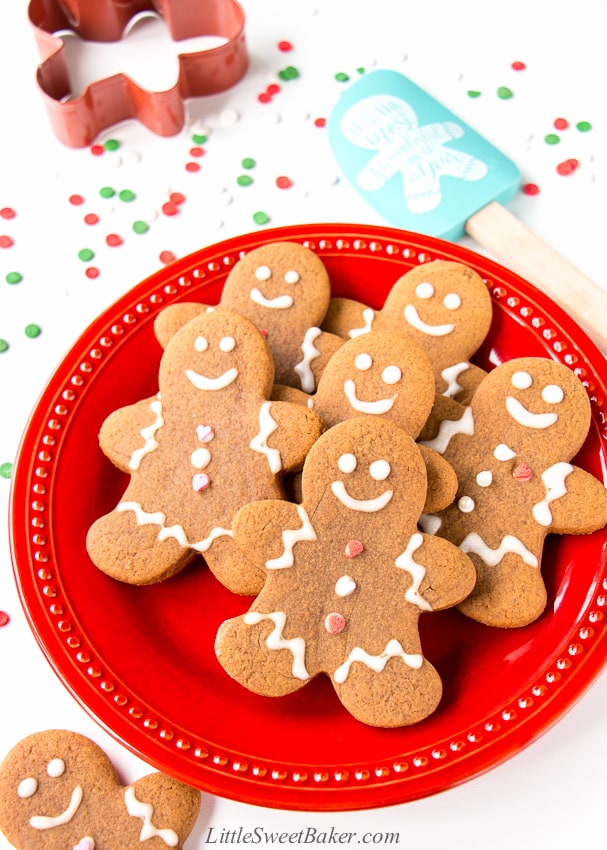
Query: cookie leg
{"type": "Point", "coordinates": [133, 553]}
{"type": "Point", "coordinates": [255, 652]}
{"type": "Point", "coordinates": [398, 695]}
{"type": "Point", "coordinates": [509, 595]}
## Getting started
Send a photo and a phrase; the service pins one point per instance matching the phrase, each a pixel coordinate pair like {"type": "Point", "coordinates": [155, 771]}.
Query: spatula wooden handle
{"type": "Point", "coordinates": [525, 253]}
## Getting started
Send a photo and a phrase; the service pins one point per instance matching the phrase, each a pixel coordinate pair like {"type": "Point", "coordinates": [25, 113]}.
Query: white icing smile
{"type": "Point", "coordinates": [44, 822]}
{"type": "Point", "coordinates": [280, 302]}
{"type": "Point", "coordinates": [523, 416]}
{"type": "Point", "coordinates": [366, 505]}
{"type": "Point", "coordinates": [201, 382]}
{"type": "Point", "coordinates": [382, 405]}
{"type": "Point", "coordinates": [412, 316]}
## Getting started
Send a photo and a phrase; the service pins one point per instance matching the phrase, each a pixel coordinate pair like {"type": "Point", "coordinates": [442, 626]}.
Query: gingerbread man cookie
{"type": "Point", "coordinates": [59, 791]}
{"type": "Point", "coordinates": [212, 441]}
{"type": "Point", "coordinates": [348, 575]}
{"type": "Point", "coordinates": [385, 375]}
{"type": "Point", "coordinates": [511, 450]}
{"type": "Point", "coordinates": [443, 306]}
{"type": "Point", "coordinates": [284, 289]}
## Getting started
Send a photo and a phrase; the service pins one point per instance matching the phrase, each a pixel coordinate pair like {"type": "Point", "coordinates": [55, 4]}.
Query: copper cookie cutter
{"type": "Point", "coordinates": [78, 121]}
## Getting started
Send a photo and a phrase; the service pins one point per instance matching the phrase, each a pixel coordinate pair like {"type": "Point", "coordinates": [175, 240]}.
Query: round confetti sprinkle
{"type": "Point", "coordinates": [248, 162]}
{"type": "Point", "coordinates": [14, 277]}
{"type": "Point", "coordinates": [342, 77]}
{"type": "Point", "coordinates": [140, 227]}
{"type": "Point", "coordinates": [92, 272]}
{"type": "Point", "coordinates": [32, 331]}
{"type": "Point", "coordinates": [4, 618]}
{"type": "Point", "coordinates": [7, 212]}
{"type": "Point", "coordinates": [505, 93]}
{"type": "Point", "coordinates": [583, 126]}
{"type": "Point", "coordinates": [473, 93]}
{"type": "Point", "coordinates": [76, 200]}
{"type": "Point", "coordinates": [86, 255]}
{"type": "Point", "coordinates": [3, 346]}
{"type": "Point", "coordinates": [192, 167]}
{"type": "Point", "coordinates": [199, 139]}
{"type": "Point", "coordinates": [284, 182]}
{"type": "Point", "coordinates": [320, 122]}
{"type": "Point", "coordinates": [273, 89]}
{"type": "Point", "coordinates": [6, 242]}
{"type": "Point", "coordinates": [6, 469]}
{"type": "Point", "coordinates": [288, 73]}
{"type": "Point", "coordinates": [261, 217]}
{"type": "Point", "coordinates": [91, 218]}
{"type": "Point", "coordinates": [111, 144]}
{"type": "Point", "coordinates": [107, 192]}
{"type": "Point", "coordinates": [167, 257]}
{"type": "Point", "coordinates": [264, 97]}
{"type": "Point", "coordinates": [531, 189]}
{"type": "Point", "coordinates": [567, 167]}
{"type": "Point", "coordinates": [169, 208]}
{"type": "Point", "coordinates": [97, 150]}
{"type": "Point", "coordinates": [244, 180]}
{"type": "Point", "coordinates": [113, 240]}
{"type": "Point", "coordinates": [285, 46]}
{"type": "Point", "coordinates": [552, 139]}
{"type": "Point", "coordinates": [176, 198]}
{"type": "Point", "coordinates": [126, 195]}
{"type": "Point", "coordinates": [561, 123]}
{"type": "Point", "coordinates": [518, 66]}
{"type": "Point", "coordinates": [197, 151]}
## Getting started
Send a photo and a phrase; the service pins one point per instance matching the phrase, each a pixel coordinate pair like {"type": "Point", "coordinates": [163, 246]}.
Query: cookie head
{"type": "Point", "coordinates": [444, 306]}
{"type": "Point", "coordinates": [276, 282]}
{"type": "Point", "coordinates": [378, 374]}
{"type": "Point", "coordinates": [216, 352]}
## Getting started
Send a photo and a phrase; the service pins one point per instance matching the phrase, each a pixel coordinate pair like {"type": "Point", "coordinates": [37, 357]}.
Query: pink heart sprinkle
{"type": "Point", "coordinates": [522, 473]}
{"type": "Point", "coordinates": [204, 433]}
{"type": "Point", "coordinates": [353, 548]}
{"type": "Point", "coordinates": [335, 623]}
{"type": "Point", "coordinates": [85, 844]}
{"type": "Point", "coordinates": [200, 481]}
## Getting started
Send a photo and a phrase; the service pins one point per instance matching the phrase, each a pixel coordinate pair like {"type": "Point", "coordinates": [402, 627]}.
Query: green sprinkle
{"type": "Point", "coordinates": [3, 346]}
{"type": "Point", "coordinates": [32, 331]}
{"type": "Point", "coordinates": [86, 255]}
{"type": "Point", "coordinates": [360, 70]}
{"type": "Point", "coordinates": [244, 180]}
{"type": "Point", "coordinates": [199, 139]}
{"type": "Point", "coordinates": [584, 126]}
{"type": "Point", "coordinates": [140, 227]}
{"type": "Point", "coordinates": [126, 195]}
{"type": "Point", "coordinates": [552, 139]}
{"type": "Point", "coordinates": [341, 77]}
{"type": "Point", "coordinates": [248, 162]}
{"type": "Point", "coordinates": [473, 93]}
{"type": "Point", "coordinates": [107, 192]}
{"type": "Point", "coordinates": [288, 73]}
{"type": "Point", "coordinates": [111, 145]}
{"type": "Point", "coordinates": [261, 217]}
{"type": "Point", "coordinates": [504, 92]}
{"type": "Point", "coordinates": [14, 277]}
{"type": "Point", "coordinates": [6, 470]}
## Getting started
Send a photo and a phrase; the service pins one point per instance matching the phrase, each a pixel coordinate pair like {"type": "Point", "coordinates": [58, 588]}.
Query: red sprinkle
{"type": "Point", "coordinates": [176, 198]}
{"type": "Point", "coordinates": [7, 212]}
{"type": "Point", "coordinates": [273, 89]}
{"type": "Point", "coordinates": [335, 623]}
{"type": "Point", "coordinates": [197, 151]}
{"type": "Point", "coordinates": [353, 548]}
{"type": "Point", "coordinates": [4, 618]}
{"type": "Point", "coordinates": [320, 122]}
{"type": "Point", "coordinates": [91, 218]}
{"type": "Point", "coordinates": [192, 167]}
{"type": "Point", "coordinates": [6, 242]}
{"type": "Point", "coordinates": [518, 66]}
{"type": "Point", "coordinates": [76, 200]}
{"type": "Point", "coordinates": [561, 123]}
{"type": "Point", "coordinates": [92, 272]}
{"type": "Point", "coordinates": [169, 208]}
{"type": "Point", "coordinates": [285, 46]}
{"type": "Point", "coordinates": [531, 189]}
{"type": "Point", "coordinates": [567, 167]}
{"type": "Point", "coordinates": [522, 473]}
{"type": "Point", "coordinates": [284, 182]}
{"type": "Point", "coordinates": [167, 257]}
{"type": "Point", "coordinates": [97, 150]}
{"type": "Point", "coordinates": [264, 97]}
{"type": "Point", "coordinates": [113, 240]}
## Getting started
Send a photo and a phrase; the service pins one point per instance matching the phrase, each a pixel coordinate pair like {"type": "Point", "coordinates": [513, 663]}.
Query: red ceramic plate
{"type": "Point", "coordinates": [141, 660]}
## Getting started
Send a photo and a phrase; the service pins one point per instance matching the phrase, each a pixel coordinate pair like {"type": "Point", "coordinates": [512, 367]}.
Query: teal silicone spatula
{"type": "Point", "coordinates": [425, 170]}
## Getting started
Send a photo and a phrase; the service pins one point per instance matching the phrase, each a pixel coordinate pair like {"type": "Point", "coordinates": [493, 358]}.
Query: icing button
{"type": "Point", "coordinates": [353, 548]}
{"type": "Point", "coordinates": [522, 473]}
{"type": "Point", "coordinates": [334, 623]}
{"type": "Point", "coordinates": [200, 481]}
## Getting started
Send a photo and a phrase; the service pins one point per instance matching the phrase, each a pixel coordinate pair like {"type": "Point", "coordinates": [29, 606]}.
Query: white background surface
{"type": "Point", "coordinates": [550, 795]}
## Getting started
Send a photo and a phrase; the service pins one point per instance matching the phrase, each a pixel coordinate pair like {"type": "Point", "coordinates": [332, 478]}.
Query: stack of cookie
{"type": "Point", "coordinates": [350, 469]}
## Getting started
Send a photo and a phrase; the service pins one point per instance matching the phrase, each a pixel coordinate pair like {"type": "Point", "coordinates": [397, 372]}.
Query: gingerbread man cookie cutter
{"type": "Point", "coordinates": [77, 121]}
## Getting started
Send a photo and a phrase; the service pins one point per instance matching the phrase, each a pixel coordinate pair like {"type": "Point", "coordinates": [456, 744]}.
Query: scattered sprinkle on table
{"type": "Point", "coordinates": [113, 240]}
{"type": "Point", "coordinates": [126, 195]}
{"type": "Point", "coordinates": [342, 77]}
{"type": "Point", "coordinates": [244, 179]}
{"type": "Point", "coordinates": [3, 346]}
{"type": "Point", "coordinates": [552, 139]}
{"type": "Point", "coordinates": [140, 226]}
{"type": "Point", "coordinates": [505, 93]}
{"type": "Point", "coordinates": [583, 126]}
{"type": "Point", "coordinates": [288, 73]}
{"type": "Point", "coordinates": [92, 272]}
{"type": "Point", "coordinates": [7, 212]}
{"type": "Point", "coordinates": [561, 123]}
{"type": "Point", "coordinates": [285, 46]}
{"type": "Point", "coordinates": [284, 182]}
{"type": "Point", "coordinates": [32, 331]}
{"type": "Point", "coordinates": [86, 255]}
{"type": "Point", "coordinates": [6, 469]}
{"type": "Point", "coordinates": [14, 277]}
{"type": "Point", "coordinates": [91, 218]}
{"type": "Point", "coordinates": [567, 167]}
{"type": "Point", "coordinates": [107, 192]}
{"type": "Point", "coordinates": [6, 241]}
{"type": "Point", "coordinates": [111, 144]}
{"type": "Point", "coordinates": [531, 189]}
{"type": "Point", "coordinates": [473, 93]}
{"type": "Point", "coordinates": [76, 200]}
{"type": "Point", "coordinates": [518, 66]}
{"type": "Point", "coordinates": [4, 618]}
{"type": "Point", "coordinates": [192, 167]}
{"type": "Point", "coordinates": [261, 217]}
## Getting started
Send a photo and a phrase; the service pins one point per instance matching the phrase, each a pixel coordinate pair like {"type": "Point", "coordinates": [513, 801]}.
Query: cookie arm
{"type": "Point", "coordinates": [449, 575]}
{"type": "Point", "coordinates": [346, 318]}
{"type": "Point", "coordinates": [128, 433]}
{"type": "Point", "coordinates": [297, 431]}
{"type": "Point", "coordinates": [442, 481]}
{"type": "Point", "coordinates": [583, 508]}
{"type": "Point", "coordinates": [269, 529]}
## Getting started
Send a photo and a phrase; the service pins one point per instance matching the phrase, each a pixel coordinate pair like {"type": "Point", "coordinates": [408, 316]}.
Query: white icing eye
{"type": "Point", "coordinates": [452, 301]}
{"type": "Point", "coordinates": [292, 276]}
{"type": "Point", "coordinates": [27, 788]}
{"type": "Point", "coordinates": [263, 273]}
{"type": "Point", "coordinates": [201, 343]}
{"type": "Point", "coordinates": [521, 380]}
{"type": "Point", "coordinates": [228, 343]}
{"type": "Point", "coordinates": [363, 362]}
{"type": "Point", "coordinates": [347, 463]}
{"type": "Point", "coordinates": [55, 768]}
{"type": "Point", "coordinates": [466, 504]}
{"type": "Point", "coordinates": [379, 470]}
{"type": "Point", "coordinates": [553, 394]}
{"type": "Point", "coordinates": [391, 375]}
{"type": "Point", "coordinates": [424, 290]}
